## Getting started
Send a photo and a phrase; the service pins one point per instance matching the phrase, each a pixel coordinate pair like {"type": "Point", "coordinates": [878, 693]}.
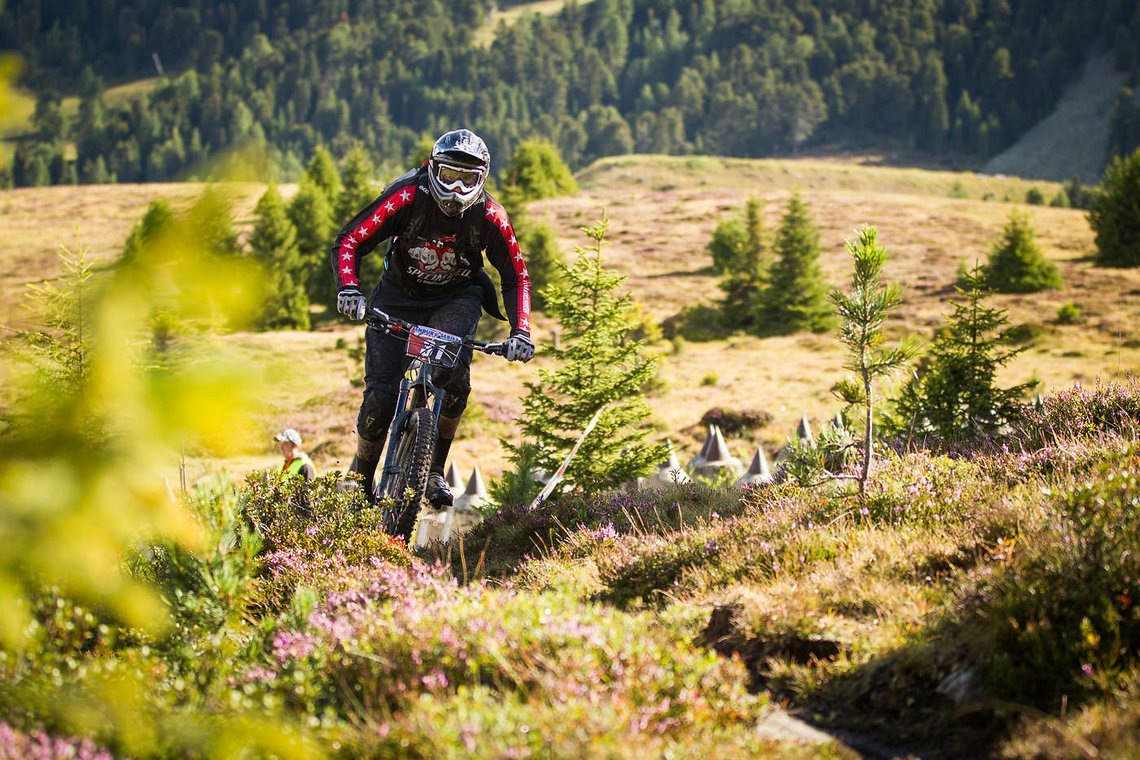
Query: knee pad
{"type": "Point", "coordinates": [376, 412]}
{"type": "Point", "coordinates": [457, 387]}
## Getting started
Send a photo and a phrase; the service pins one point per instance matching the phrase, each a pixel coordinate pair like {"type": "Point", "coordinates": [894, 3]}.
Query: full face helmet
{"type": "Point", "coordinates": [457, 170]}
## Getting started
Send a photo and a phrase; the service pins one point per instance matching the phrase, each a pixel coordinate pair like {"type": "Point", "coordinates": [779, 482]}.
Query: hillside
{"type": "Point", "coordinates": [935, 81]}
{"type": "Point", "coordinates": [662, 212]}
{"type": "Point", "coordinates": [1049, 151]}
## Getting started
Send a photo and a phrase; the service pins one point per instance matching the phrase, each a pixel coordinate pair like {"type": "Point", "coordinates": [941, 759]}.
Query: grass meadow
{"type": "Point", "coordinates": [662, 212]}
{"type": "Point", "coordinates": [979, 601]}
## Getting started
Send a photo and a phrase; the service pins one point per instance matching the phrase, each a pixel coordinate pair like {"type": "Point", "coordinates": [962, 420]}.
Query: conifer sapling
{"type": "Point", "coordinates": [598, 366]}
{"type": "Point", "coordinates": [863, 312]}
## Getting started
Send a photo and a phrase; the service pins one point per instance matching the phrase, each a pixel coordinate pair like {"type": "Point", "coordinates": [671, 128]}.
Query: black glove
{"type": "Point", "coordinates": [351, 302]}
{"type": "Point", "coordinates": [518, 348]}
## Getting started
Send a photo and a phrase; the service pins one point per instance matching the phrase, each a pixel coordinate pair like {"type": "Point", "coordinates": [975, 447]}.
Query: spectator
{"type": "Point", "coordinates": [297, 462]}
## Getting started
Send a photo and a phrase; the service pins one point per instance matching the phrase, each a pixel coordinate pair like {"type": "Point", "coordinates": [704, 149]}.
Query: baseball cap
{"type": "Point", "coordinates": [289, 434]}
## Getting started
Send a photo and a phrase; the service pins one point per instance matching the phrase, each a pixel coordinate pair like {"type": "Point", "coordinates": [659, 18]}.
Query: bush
{"type": "Point", "coordinates": [1068, 313]}
{"type": "Point", "coordinates": [313, 535]}
{"type": "Point", "coordinates": [1114, 218]}
{"type": "Point", "coordinates": [731, 422]}
{"type": "Point", "coordinates": [1105, 409]}
{"type": "Point", "coordinates": [1035, 197]}
{"type": "Point", "coordinates": [537, 171]}
{"type": "Point", "coordinates": [1025, 333]}
{"type": "Point", "coordinates": [1064, 621]}
{"type": "Point", "coordinates": [925, 489]}
{"type": "Point", "coordinates": [406, 641]}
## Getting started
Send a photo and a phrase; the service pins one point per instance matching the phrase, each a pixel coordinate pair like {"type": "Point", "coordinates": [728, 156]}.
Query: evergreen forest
{"type": "Point", "coordinates": [950, 80]}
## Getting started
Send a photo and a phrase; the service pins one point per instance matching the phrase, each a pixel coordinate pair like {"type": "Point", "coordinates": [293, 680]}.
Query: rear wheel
{"type": "Point", "coordinates": [405, 489]}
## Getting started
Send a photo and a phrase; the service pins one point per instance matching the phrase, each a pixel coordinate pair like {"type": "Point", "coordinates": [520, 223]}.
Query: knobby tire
{"type": "Point", "coordinates": [413, 461]}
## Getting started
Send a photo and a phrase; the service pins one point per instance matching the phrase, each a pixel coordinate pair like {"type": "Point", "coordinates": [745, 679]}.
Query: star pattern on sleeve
{"type": "Point", "coordinates": [498, 217]}
{"type": "Point", "coordinates": [363, 230]}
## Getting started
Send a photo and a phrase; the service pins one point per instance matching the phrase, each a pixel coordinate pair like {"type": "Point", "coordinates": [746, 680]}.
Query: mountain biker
{"type": "Point", "coordinates": [296, 462]}
{"type": "Point", "coordinates": [440, 220]}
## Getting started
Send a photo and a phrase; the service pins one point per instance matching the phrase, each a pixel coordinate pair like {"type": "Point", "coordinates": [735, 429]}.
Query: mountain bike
{"type": "Point", "coordinates": [411, 436]}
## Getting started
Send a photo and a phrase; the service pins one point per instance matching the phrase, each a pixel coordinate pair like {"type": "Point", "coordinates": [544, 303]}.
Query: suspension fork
{"type": "Point", "coordinates": [412, 395]}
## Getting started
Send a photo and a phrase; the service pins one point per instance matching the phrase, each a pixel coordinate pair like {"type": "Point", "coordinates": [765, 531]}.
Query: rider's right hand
{"type": "Point", "coordinates": [351, 302]}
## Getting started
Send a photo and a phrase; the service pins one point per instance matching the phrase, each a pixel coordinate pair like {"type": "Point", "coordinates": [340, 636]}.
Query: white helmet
{"type": "Point", "coordinates": [457, 170]}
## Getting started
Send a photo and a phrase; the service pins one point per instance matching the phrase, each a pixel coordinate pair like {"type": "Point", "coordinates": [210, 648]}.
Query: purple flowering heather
{"type": "Point", "coordinates": [18, 745]}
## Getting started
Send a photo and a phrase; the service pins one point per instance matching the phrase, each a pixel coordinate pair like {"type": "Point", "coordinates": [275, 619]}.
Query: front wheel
{"type": "Point", "coordinates": [400, 502]}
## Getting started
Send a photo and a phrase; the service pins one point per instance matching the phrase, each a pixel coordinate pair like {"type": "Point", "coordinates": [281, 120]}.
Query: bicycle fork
{"type": "Point", "coordinates": [412, 395]}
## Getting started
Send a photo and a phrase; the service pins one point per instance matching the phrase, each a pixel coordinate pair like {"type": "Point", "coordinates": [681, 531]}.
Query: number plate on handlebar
{"type": "Point", "coordinates": [434, 347]}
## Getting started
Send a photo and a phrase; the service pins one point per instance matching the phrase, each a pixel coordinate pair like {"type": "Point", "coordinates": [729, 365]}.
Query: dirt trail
{"type": "Point", "coordinates": [1073, 140]}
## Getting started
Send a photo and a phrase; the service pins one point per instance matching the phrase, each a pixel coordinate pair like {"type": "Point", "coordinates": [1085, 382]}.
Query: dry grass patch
{"type": "Point", "coordinates": [39, 221]}
{"type": "Point", "coordinates": [663, 211]}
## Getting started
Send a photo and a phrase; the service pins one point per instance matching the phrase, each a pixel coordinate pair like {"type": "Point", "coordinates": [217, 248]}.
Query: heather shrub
{"type": "Point", "coordinates": [480, 722]}
{"type": "Point", "coordinates": [515, 533]}
{"type": "Point", "coordinates": [313, 534]}
{"type": "Point", "coordinates": [401, 640]}
{"type": "Point", "coordinates": [1060, 460]}
{"type": "Point", "coordinates": [924, 489]}
{"type": "Point", "coordinates": [638, 567]}
{"type": "Point", "coordinates": [774, 528]}
{"type": "Point", "coordinates": [1064, 620]}
{"type": "Point", "coordinates": [1112, 408]}
{"type": "Point", "coordinates": [37, 745]}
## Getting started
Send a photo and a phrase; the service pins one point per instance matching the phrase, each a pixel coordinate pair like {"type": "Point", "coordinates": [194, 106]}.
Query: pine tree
{"type": "Point", "coordinates": [796, 296]}
{"type": "Point", "coordinates": [311, 215]}
{"type": "Point", "coordinates": [953, 393]}
{"type": "Point", "coordinates": [210, 222]}
{"type": "Point", "coordinates": [157, 220]}
{"type": "Point", "coordinates": [536, 171]}
{"type": "Point", "coordinates": [60, 352]}
{"type": "Point", "coordinates": [358, 190]}
{"type": "Point", "coordinates": [745, 273]}
{"type": "Point", "coordinates": [543, 260]}
{"type": "Point", "coordinates": [1115, 218]}
{"type": "Point", "coordinates": [322, 170]}
{"type": "Point", "coordinates": [598, 368]}
{"type": "Point", "coordinates": [273, 243]}
{"type": "Point", "coordinates": [863, 312]}
{"type": "Point", "coordinates": [1016, 264]}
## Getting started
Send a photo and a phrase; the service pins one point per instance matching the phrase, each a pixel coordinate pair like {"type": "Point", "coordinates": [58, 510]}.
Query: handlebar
{"type": "Point", "coordinates": [402, 328]}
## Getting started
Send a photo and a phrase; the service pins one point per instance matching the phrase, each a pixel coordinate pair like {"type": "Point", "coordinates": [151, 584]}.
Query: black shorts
{"type": "Point", "coordinates": [385, 359]}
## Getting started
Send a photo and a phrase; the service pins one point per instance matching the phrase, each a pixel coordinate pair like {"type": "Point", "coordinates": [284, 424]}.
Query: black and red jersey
{"type": "Point", "coordinates": [432, 255]}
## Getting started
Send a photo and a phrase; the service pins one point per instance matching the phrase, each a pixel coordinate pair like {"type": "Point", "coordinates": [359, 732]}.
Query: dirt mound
{"type": "Point", "coordinates": [1073, 140]}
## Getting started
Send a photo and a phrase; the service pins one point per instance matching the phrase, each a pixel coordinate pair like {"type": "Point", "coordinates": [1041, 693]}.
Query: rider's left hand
{"type": "Point", "coordinates": [518, 348]}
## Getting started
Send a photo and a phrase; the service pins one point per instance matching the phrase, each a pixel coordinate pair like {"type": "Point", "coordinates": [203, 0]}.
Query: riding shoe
{"type": "Point", "coordinates": [438, 493]}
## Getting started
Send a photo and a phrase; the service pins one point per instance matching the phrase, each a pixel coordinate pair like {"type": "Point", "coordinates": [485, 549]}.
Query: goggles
{"type": "Point", "coordinates": [460, 178]}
